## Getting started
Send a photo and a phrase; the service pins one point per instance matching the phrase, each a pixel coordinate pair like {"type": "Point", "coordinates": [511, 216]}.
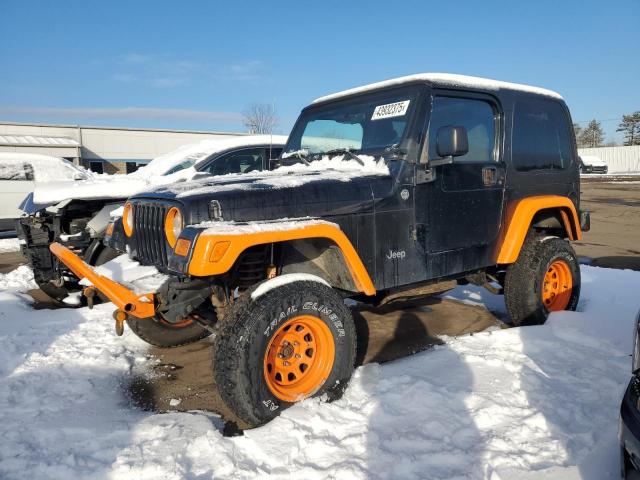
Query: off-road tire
{"type": "Point", "coordinates": [162, 334]}
{"type": "Point", "coordinates": [250, 326]}
{"type": "Point", "coordinates": [524, 279]}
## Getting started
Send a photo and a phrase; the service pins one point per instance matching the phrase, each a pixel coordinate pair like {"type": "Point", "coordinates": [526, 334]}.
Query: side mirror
{"type": "Point", "coordinates": [451, 141]}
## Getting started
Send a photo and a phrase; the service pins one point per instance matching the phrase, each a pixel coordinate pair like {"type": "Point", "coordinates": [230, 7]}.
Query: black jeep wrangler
{"type": "Point", "coordinates": [405, 188]}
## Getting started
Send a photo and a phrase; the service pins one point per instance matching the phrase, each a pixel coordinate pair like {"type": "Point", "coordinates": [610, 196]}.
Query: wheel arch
{"type": "Point", "coordinates": [320, 249]}
{"type": "Point", "coordinates": [549, 212]}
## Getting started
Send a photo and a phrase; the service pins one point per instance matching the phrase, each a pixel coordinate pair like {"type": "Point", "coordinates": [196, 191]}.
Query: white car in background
{"type": "Point", "coordinates": [592, 164]}
{"type": "Point", "coordinates": [21, 172]}
{"type": "Point", "coordinates": [77, 213]}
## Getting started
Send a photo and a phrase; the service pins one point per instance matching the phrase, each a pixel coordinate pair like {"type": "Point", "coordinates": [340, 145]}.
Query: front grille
{"type": "Point", "coordinates": [148, 228]}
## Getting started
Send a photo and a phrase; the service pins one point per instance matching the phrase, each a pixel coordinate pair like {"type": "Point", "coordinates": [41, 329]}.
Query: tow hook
{"type": "Point", "coordinates": [89, 293]}
{"type": "Point", "coordinates": [119, 316]}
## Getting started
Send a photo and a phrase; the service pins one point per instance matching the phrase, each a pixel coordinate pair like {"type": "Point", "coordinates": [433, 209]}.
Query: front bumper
{"type": "Point", "coordinates": [629, 433]}
{"type": "Point", "coordinates": [141, 306]}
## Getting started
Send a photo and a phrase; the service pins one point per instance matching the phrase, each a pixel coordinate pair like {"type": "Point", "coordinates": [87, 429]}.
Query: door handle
{"type": "Point", "coordinates": [489, 176]}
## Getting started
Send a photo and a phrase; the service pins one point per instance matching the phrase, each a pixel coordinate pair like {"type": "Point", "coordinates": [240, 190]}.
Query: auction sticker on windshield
{"type": "Point", "coordinates": [390, 110]}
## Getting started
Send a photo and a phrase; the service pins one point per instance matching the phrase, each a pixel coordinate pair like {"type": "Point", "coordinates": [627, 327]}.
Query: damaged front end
{"type": "Point", "coordinates": [77, 225]}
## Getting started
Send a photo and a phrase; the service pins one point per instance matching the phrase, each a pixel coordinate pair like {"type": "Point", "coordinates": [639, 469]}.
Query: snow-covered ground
{"type": "Point", "coordinates": [9, 245]}
{"type": "Point", "coordinates": [522, 403]}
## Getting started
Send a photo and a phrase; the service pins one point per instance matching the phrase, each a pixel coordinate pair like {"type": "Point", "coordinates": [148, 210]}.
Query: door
{"type": "Point", "coordinates": [16, 182]}
{"type": "Point", "coordinates": [465, 201]}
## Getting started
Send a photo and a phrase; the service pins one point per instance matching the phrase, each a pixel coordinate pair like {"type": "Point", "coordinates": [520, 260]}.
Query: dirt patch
{"type": "Point", "coordinates": [184, 374]}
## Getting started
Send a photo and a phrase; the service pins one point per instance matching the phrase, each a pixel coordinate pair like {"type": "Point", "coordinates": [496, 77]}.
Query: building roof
{"type": "Point", "coordinates": [445, 80]}
{"type": "Point", "coordinates": [37, 141]}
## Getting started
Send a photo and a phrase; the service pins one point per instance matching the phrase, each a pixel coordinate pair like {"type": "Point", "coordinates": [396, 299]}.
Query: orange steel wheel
{"type": "Point", "coordinates": [557, 286]}
{"type": "Point", "coordinates": [299, 358]}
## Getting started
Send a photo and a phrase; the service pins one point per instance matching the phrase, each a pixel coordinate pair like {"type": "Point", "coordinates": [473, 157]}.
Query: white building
{"type": "Point", "coordinates": [101, 149]}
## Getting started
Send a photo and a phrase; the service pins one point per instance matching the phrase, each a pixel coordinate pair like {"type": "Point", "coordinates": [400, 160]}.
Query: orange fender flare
{"type": "Point", "coordinates": [520, 216]}
{"type": "Point", "coordinates": [215, 254]}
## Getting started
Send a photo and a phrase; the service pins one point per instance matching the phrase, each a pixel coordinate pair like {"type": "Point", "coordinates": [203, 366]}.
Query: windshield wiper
{"type": "Point", "coordinates": [346, 152]}
{"type": "Point", "coordinates": [301, 154]}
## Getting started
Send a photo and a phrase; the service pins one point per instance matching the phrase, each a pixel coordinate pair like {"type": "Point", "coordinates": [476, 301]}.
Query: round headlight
{"type": "Point", "coordinates": [127, 219]}
{"type": "Point", "coordinates": [173, 225]}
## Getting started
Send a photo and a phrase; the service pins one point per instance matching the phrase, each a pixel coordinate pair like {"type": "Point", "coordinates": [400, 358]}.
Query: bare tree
{"type": "Point", "coordinates": [260, 118]}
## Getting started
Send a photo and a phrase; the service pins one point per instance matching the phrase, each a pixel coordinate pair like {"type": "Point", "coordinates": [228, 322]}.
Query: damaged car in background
{"type": "Point", "coordinates": [77, 213]}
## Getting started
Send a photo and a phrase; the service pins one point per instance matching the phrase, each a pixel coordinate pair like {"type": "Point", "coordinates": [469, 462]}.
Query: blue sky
{"type": "Point", "coordinates": [197, 64]}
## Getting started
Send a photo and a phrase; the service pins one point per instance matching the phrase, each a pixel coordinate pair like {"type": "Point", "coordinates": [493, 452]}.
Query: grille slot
{"type": "Point", "coordinates": [148, 219]}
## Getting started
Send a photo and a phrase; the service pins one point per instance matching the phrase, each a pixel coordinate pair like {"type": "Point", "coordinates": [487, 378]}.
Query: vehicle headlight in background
{"type": "Point", "coordinates": [636, 346]}
{"type": "Point", "coordinates": [127, 219]}
{"type": "Point", "coordinates": [173, 225]}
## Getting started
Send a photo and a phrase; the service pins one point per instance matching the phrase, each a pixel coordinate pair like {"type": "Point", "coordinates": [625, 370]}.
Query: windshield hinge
{"type": "Point", "coordinates": [425, 175]}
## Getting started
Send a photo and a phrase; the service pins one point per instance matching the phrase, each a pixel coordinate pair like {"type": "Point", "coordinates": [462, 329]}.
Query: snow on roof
{"type": "Point", "coordinates": [38, 141]}
{"type": "Point", "coordinates": [445, 80]}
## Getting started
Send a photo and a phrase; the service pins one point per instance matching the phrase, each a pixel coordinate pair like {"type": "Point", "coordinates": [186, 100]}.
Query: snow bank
{"type": "Point", "coordinates": [9, 245]}
{"type": "Point", "coordinates": [534, 402]}
{"type": "Point", "coordinates": [445, 80]}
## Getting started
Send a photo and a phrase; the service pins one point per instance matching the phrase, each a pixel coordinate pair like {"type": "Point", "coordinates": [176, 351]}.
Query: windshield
{"type": "Point", "coordinates": [372, 123]}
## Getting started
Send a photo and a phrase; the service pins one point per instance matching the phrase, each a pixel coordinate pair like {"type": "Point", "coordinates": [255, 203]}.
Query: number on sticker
{"type": "Point", "coordinates": [390, 110]}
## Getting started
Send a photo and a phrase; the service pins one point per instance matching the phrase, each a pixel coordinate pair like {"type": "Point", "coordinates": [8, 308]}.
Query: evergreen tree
{"type": "Point", "coordinates": [577, 130]}
{"type": "Point", "coordinates": [592, 135]}
{"type": "Point", "coordinates": [630, 125]}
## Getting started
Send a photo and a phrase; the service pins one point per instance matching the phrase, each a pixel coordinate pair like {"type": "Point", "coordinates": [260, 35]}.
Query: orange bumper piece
{"type": "Point", "coordinates": [141, 306]}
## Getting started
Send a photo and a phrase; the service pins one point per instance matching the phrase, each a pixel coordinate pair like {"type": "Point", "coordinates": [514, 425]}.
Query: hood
{"type": "Point", "coordinates": [327, 187]}
{"type": "Point", "coordinates": [107, 187]}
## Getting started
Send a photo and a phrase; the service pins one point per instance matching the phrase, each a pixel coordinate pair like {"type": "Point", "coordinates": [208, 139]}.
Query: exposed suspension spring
{"type": "Point", "coordinates": [252, 266]}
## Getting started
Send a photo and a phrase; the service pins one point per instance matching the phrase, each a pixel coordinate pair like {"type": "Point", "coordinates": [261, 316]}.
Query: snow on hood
{"type": "Point", "coordinates": [592, 160]}
{"type": "Point", "coordinates": [151, 175]}
{"type": "Point", "coordinates": [234, 228]}
{"type": "Point", "coordinates": [336, 168]}
{"type": "Point", "coordinates": [443, 79]}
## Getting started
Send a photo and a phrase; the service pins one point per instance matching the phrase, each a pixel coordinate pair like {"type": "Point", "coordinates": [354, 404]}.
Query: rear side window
{"type": "Point", "coordinates": [16, 171]}
{"type": "Point", "coordinates": [476, 116]}
{"type": "Point", "coordinates": [540, 139]}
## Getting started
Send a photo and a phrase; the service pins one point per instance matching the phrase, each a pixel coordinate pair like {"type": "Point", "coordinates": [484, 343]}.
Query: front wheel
{"type": "Point", "coordinates": [292, 342]}
{"type": "Point", "coordinates": [545, 278]}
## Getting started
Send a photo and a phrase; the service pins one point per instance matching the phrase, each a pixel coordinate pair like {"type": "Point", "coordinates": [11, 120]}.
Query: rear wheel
{"type": "Point", "coordinates": [545, 278]}
{"type": "Point", "coordinates": [292, 342]}
{"type": "Point", "coordinates": [160, 333]}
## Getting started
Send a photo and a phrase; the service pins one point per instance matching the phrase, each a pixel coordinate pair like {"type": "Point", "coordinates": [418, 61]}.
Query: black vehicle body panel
{"type": "Point", "coordinates": [413, 225]}
{"type": "Point", "coordinates": [629, 432]}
